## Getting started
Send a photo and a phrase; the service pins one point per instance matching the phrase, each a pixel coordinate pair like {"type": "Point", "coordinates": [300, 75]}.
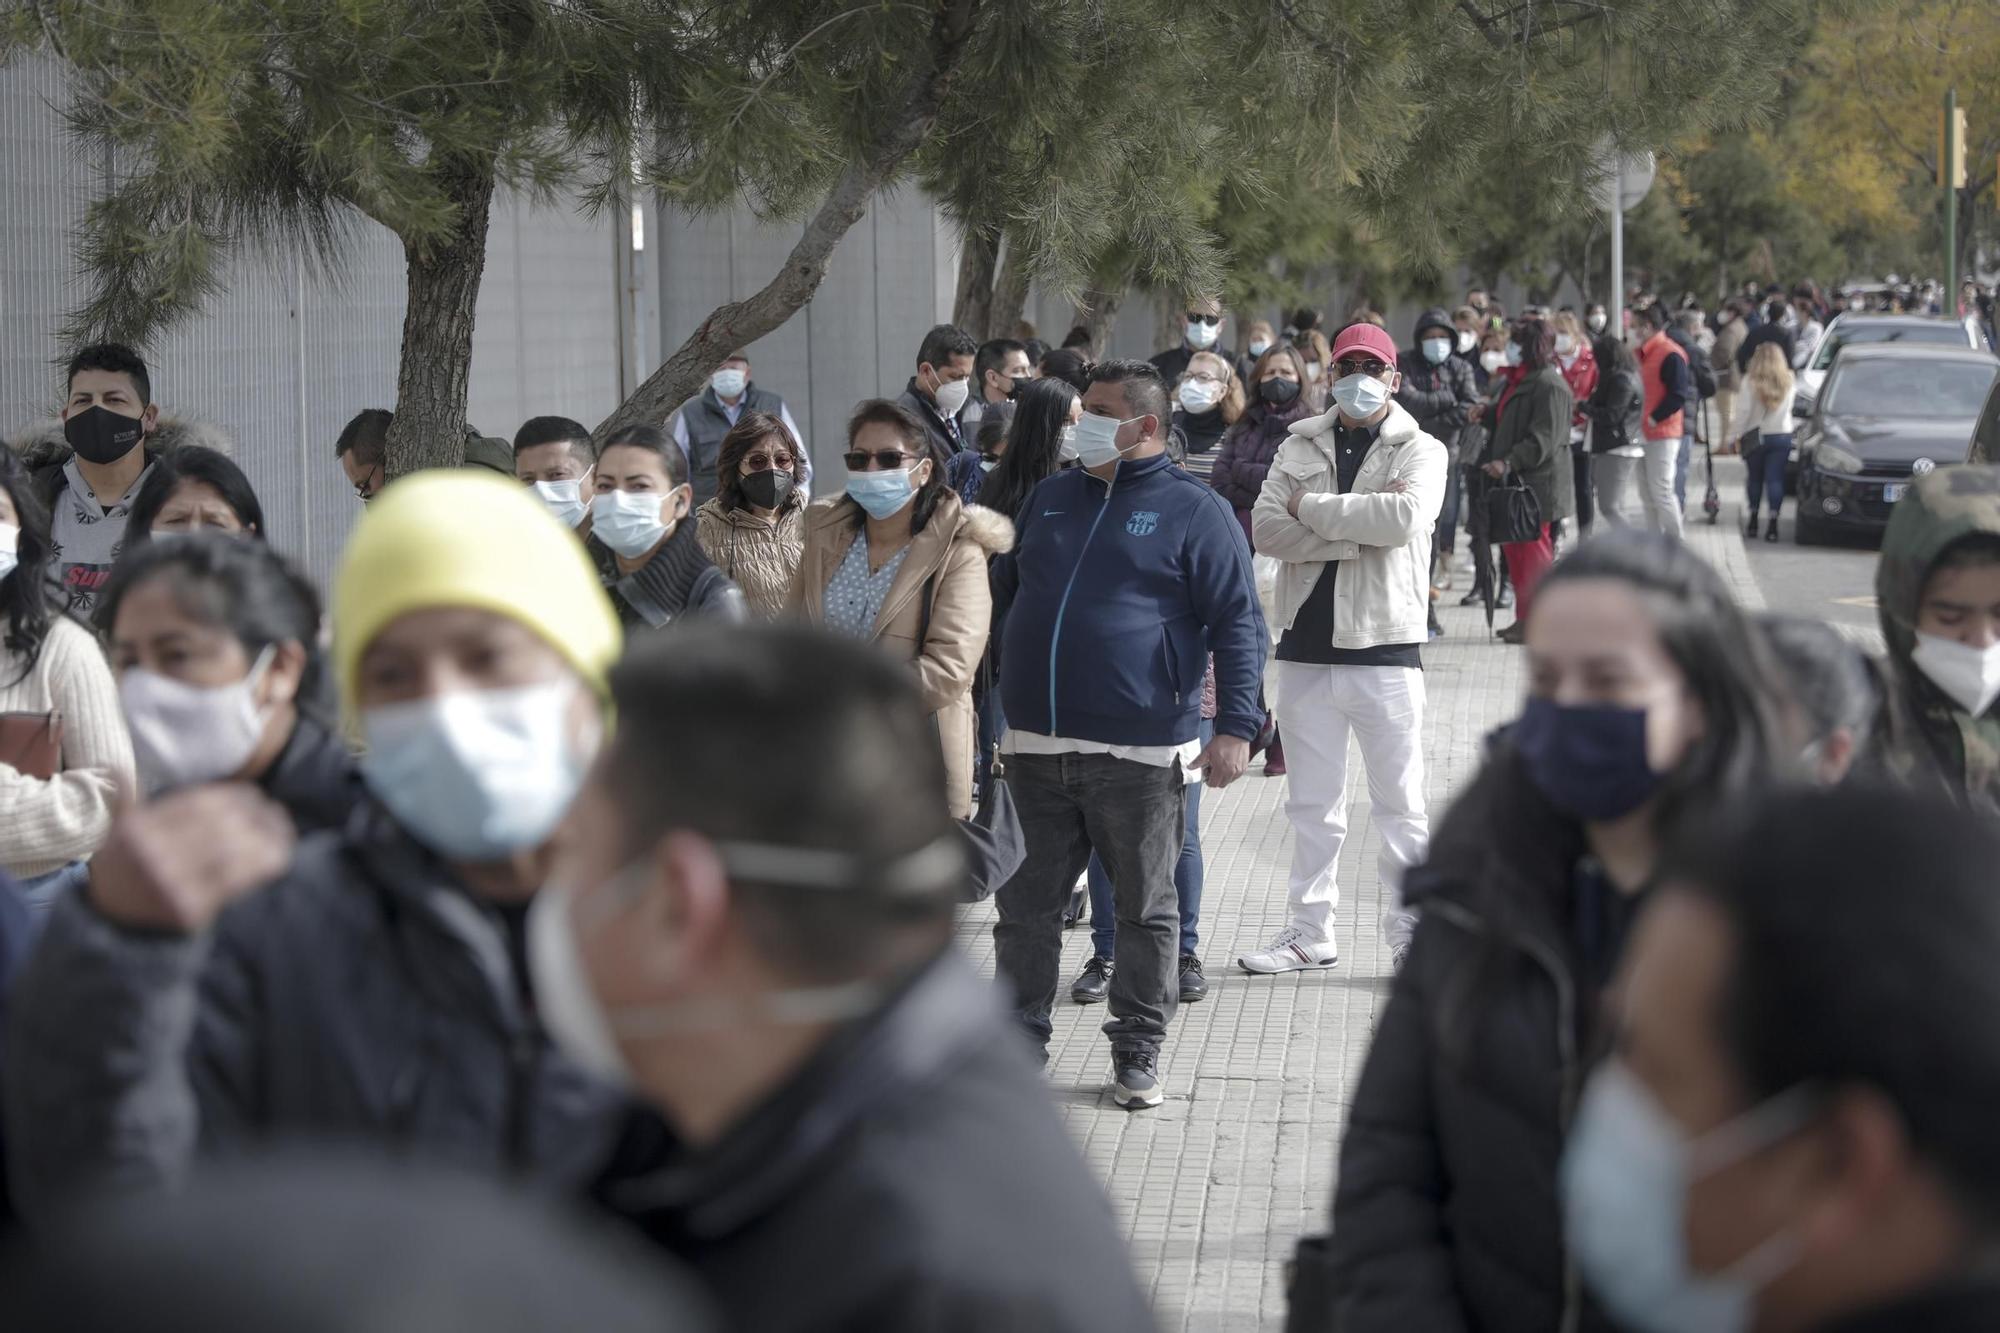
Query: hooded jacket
{"type": "Point", "coordinates": [1437, 396]}
{"type": "Point", "coordinates": [1114, 597]}
{"type": "Point", "coordinates": [936, 616]}
{"type": "Point", "coordinates": [364, 998]}
{"type": "Point", "coordinates": [1380, 538]}
{"type": "Point", "coordinates": [1925, 739]}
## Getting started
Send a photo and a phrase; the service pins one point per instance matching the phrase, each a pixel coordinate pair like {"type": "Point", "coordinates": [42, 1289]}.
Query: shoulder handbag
{"type": "Point", "coordinates": [995, 846]}
{"type": "Point", "coordinates": [31, 743]}
{"type": "Point", "coordinates": [1513, 511]}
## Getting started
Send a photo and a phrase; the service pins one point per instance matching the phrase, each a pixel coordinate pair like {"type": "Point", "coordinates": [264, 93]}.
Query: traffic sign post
{"type": "Point", "coordinates": [1623, 182]}
{"type": "Point", "coordinates": [1951, 175]}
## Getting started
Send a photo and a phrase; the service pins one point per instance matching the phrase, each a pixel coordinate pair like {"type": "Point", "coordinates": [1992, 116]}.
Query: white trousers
{"type": "Point", "coordinates": [1382, 708]}
{"type": "Point", "coordinates": [1619, 482]}
{"type": "Point", "coordinates": [1663, 507]}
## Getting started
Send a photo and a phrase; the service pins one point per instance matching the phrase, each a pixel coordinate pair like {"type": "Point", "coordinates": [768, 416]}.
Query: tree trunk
{"type": "Point", "coordinates": [736, 324]}
{"type": "Point", "coordinates": [436, 361]}
{"type": "Point", "coordinates": [1010, 296]}
{"type": "Point", "coordinates": [1098, 313]}
{"type": "Point", "coordinates": [979, 257]}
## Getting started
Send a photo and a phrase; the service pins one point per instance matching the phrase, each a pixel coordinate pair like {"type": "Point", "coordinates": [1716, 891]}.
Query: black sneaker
{"type": "Point", "coordinates": [1135, 1081]}
{"type": "Point", "coordinates": [1194, 986]}
{"type": "Point", "coordinates": [1093, 983]}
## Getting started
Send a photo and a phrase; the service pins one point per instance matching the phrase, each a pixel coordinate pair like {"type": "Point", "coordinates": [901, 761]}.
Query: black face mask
{"type": "Point", "coordinates": [101, 436]}
{"type": "Point", "coordinates": [767, 490]}
{"type": "Point", "coordinates": [1279, 393]}
{"type": "Point", "coordinates": [1014, 387]}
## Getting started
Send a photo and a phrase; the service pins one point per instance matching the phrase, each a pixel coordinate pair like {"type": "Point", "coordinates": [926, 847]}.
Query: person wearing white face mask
{"type": "Point", "coordinates": [216, 645]}
{"type": "Point", "coordinates": [937, 394]}
{"type": "Point", "coordinates": [1202, 332]}
{"type": "Point", "coordinates": [1796, 1133]}
{"type": "Point", "coordinates": [554, 457]}
{"type": "Point", "coordinates": [372, 993]}
{"type": "Point", "coordinates": [1938, 589]}
{"type": "Point", "coordinates": [1349, 510]}
{"type": "Point", "coordinates": [644, 539]}
{"type": "Point", "coordinates": [763, 954]}
{"type": "Point", "coordinates": [1440, 389]}
{"type": "Point", "coordinates": [1207, 402]}
{"type": "Point", "coordinates": [67, 752]}
{"type": "Point", "coordinates": [699, 425]}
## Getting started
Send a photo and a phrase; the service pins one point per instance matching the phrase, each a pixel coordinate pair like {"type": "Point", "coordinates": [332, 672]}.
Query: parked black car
{"type": "Point", "coordinates": [1889, 411]}
{"type": "Point", "coordinates": [1856, 328]}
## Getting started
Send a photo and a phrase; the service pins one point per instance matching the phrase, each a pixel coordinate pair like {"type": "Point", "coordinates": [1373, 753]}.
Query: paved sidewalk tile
{"type": "Point", "coordinates": [1216, 1185]}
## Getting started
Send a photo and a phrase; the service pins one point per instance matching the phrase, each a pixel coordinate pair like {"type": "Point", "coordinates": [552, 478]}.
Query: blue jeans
{"type": "Point", "coordinates": [42, 891]}
{"type": "Point", "coordinates": [1681, 470]}
{"type": "Point", "coordinates": [1187, 878]}
{"type": "Point", "coordinates": [1766, 472]}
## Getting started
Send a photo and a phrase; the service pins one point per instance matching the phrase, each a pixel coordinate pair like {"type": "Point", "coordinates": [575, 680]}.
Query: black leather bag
{"type": "Point", "coordinates": [1513, 512]}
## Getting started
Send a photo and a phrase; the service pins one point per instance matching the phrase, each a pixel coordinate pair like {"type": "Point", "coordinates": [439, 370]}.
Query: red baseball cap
{"type": "Point", "coordinates": [1365, 337]}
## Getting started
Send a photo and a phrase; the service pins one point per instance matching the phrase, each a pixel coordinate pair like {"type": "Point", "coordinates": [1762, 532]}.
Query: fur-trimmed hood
{"type": "Point", "coordinates": [42, 445]}
{"type": "Point", "coordinates": [991, 530]}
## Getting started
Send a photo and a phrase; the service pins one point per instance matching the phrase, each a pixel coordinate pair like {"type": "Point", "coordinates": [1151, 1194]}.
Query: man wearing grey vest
{"type": "Point", "coordinates": [700, 423]}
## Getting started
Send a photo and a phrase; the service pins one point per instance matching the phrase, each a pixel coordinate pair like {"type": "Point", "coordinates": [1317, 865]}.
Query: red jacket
{"type": "Point", "coordinates": [1581, 375]}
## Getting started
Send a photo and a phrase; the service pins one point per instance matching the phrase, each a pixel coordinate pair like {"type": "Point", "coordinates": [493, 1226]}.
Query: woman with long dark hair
{"type": "Point", "coordinates": [1043, 414]}
{"type": "Point", "coordinates": [901, 561]}
{"type": "Point", "coordinates": [753, 528]}
{"type": "Point", "coordinates": [63, 748]}
{"type": "Point", "coordinates": [216, 645]}
{"type": "Point", "coordinates": [1530, 442]}
{"type": "Point", "coordinates": [642, 537]}
{"type": "Point", "coordinates": [1649, 713]}
{"type": "Point", "coordinates": [1617, 435]}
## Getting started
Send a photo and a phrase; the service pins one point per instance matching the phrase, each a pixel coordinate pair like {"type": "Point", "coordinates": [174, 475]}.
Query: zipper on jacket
{"type": "Point", "coordinates": [1055, 631]}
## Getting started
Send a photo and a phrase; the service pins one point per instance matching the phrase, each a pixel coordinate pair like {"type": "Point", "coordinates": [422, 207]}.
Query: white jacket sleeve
{"type": "Point", "coordinates": [1283, 537]}
{"type": "Point", "coordinates": [1385, 518]}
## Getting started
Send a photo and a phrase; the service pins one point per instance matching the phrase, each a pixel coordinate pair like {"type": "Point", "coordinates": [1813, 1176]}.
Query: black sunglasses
{"type": "Point", "coordinates": [886, 460]}
{"type": "Point", "coordinates": [1193, 318]}
{"type": "Point", "coordinates": [1368, 367]}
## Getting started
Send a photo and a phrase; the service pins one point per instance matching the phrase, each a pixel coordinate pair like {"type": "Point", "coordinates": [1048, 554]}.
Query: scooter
{"type": "Point", "coordinates": [1711, 503]}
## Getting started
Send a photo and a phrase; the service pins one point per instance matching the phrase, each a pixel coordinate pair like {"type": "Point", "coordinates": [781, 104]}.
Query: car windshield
{"type": "Point", "coordinates": [1910, 388]}
{"type": "Point", "coordinates": [1943, 333]}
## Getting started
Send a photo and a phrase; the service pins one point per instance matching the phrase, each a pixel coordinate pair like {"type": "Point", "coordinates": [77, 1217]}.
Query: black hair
{"type": "Point", "coordinates": [25, 593]}
{"type": "Point", "coordinates": [1650, 314]}
{"type": "Point", "coordinates": [555, 430]}
{"type": "Point", "coordinates": [1305, 319]}
{"type": "Point", "coordinates": [1036, 350]}
{"type": "Point", "coordinates": [656, 442]}
{"type": "Point", "coordinates": [855, 730]}
{"type": "Point", "coordinates": [366, 436]}
{"type": "Point", "coordinates": [1972, 551]}
{"type": "Point", "coordinates": [1612, 354]}
{"type": "Point", "coordinates": [1034, 445]}
{"type": "Point", "coordinates": [192, 462]}
{"type": "Point", "coordinates": [944, 342]}
{"type": "Point", "coordinates": [1775, 311]}
{"type": "Point", "coordinates": [1145, 392]}
{"type": "Point", "coordinates": [116, 359]}
{"type": "Point", "coordinates": [1863, 929]}
{"type": "Point", "coordinates": [916, 440]}
{"type": "Point", "coordinates": [1536, 340]}
{"type": "Point", "coordinates": [1068, 365]}
{"type": "Point", "coordinates": [1078, 336]}
{"type": "Point", "coordinates": [752, 428]}
{"type": "Point", "coordinates": [994, 425]}
{"type": "Point", "coordinates": [1824, 674]}
{"type": "Point", "coordinates": [244, 588]}
{"type": "Point", "coordinates": [992, 356]}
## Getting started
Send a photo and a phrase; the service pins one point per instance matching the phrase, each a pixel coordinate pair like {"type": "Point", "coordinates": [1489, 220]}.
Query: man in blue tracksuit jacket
{"type": "Point", "coordinates": [1128, 573]}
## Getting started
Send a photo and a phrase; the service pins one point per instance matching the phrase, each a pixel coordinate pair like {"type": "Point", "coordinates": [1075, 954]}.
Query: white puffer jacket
{"type": "Point", "coordinates": [1381, 537]}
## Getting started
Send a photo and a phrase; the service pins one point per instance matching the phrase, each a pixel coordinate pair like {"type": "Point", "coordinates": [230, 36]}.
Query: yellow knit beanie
{"type": "Point", "coordinates": [464, 538]}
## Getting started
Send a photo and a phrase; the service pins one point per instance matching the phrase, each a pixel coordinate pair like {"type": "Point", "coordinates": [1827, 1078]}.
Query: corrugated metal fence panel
{"type": "Point", "coordinates": [46, 185]}
{"type": "Point", "coordinates": [886, 283]}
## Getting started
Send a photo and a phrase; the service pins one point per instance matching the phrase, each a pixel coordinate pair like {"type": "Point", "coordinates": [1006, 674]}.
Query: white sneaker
{"type": "Point", "coordinates": [1292, 951]}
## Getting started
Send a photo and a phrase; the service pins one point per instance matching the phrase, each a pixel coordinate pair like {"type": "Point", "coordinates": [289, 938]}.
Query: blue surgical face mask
{"type": "Point", "coordinates": [1512, 356]}
{"type": "Point", "coordinates": [1360, 396]}
{"type": "Point", "coordinates": [1259, 346]}
{"type": "Point", "coordinates": [1436, 350]}
{"type": "Point", "coordinates": [1589, 762]}
{"type": "Point", "coordinates": [1625, 1178]}
{"type": "Point", "coordinates": [881, 494]}
{"type": "Point", "coordinates": [477, 775]}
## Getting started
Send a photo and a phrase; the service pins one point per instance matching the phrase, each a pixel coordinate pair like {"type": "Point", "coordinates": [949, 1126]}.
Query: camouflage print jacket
{"type": "Point", "coordinates": [1926, 740]}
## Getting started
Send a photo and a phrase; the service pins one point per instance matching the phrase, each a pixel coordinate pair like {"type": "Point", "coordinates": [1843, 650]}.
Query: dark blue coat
{"type": "Point", "coordinates": [1113, 598]}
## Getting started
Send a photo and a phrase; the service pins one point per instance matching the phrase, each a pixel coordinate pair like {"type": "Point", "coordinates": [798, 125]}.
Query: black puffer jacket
{"type": "Point", "coordinates": [1446, 1216]}
{"type": "Point", "coordinates": [1616, 409]}
{"type": "Point", "coordinates": [365, 997]}
{"type": "Point", "coordinates": [1437, 396]}
{"type": "Point", "coordinates": [315, 779]}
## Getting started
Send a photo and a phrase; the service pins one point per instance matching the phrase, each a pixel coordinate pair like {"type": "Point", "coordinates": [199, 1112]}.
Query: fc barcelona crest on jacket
{"type": "Point", "coordinates": [1142, 523]}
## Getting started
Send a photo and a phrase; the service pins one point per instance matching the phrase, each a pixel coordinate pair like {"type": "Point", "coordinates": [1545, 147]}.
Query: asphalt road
{"type": "Point", "coordinates": [1836, 583]}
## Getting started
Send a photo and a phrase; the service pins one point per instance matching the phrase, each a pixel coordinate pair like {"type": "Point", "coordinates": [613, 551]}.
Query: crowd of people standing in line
{"type": "Point", "coordinates": [544, 920]}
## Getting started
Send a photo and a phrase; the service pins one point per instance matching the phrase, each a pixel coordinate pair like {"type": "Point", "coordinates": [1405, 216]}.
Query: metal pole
{"type": "Point", "coordinates": [1614, 309]}
{"type": "Point", "coordinates": [1948, 171]}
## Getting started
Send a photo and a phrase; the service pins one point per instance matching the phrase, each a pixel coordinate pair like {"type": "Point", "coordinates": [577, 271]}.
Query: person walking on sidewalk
{"type": "Point", "coordinates": [1765, 408]}
{"type": "Point", "coordinates": [1348, 511]}
{"type": "Point", "coordinates": [1126, 574]}
{"type": "Point", "coordinates": [1617, 454]}
{"type": "Point", "coordinates": [1663, 374]}
{"type": "Point", "coordinates": [1530, 441]}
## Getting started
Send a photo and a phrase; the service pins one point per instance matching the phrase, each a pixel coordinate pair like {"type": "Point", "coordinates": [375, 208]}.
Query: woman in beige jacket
{"type": "Point", "coordinates": [901, 561]}
{"type": "Point", "coordinates": [754, 527]}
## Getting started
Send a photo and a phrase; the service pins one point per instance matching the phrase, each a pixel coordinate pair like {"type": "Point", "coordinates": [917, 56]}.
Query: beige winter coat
{"type": "Point", "coordinates": [760, 555]}
{"type": "Point", "coordinates": [954, 546]}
